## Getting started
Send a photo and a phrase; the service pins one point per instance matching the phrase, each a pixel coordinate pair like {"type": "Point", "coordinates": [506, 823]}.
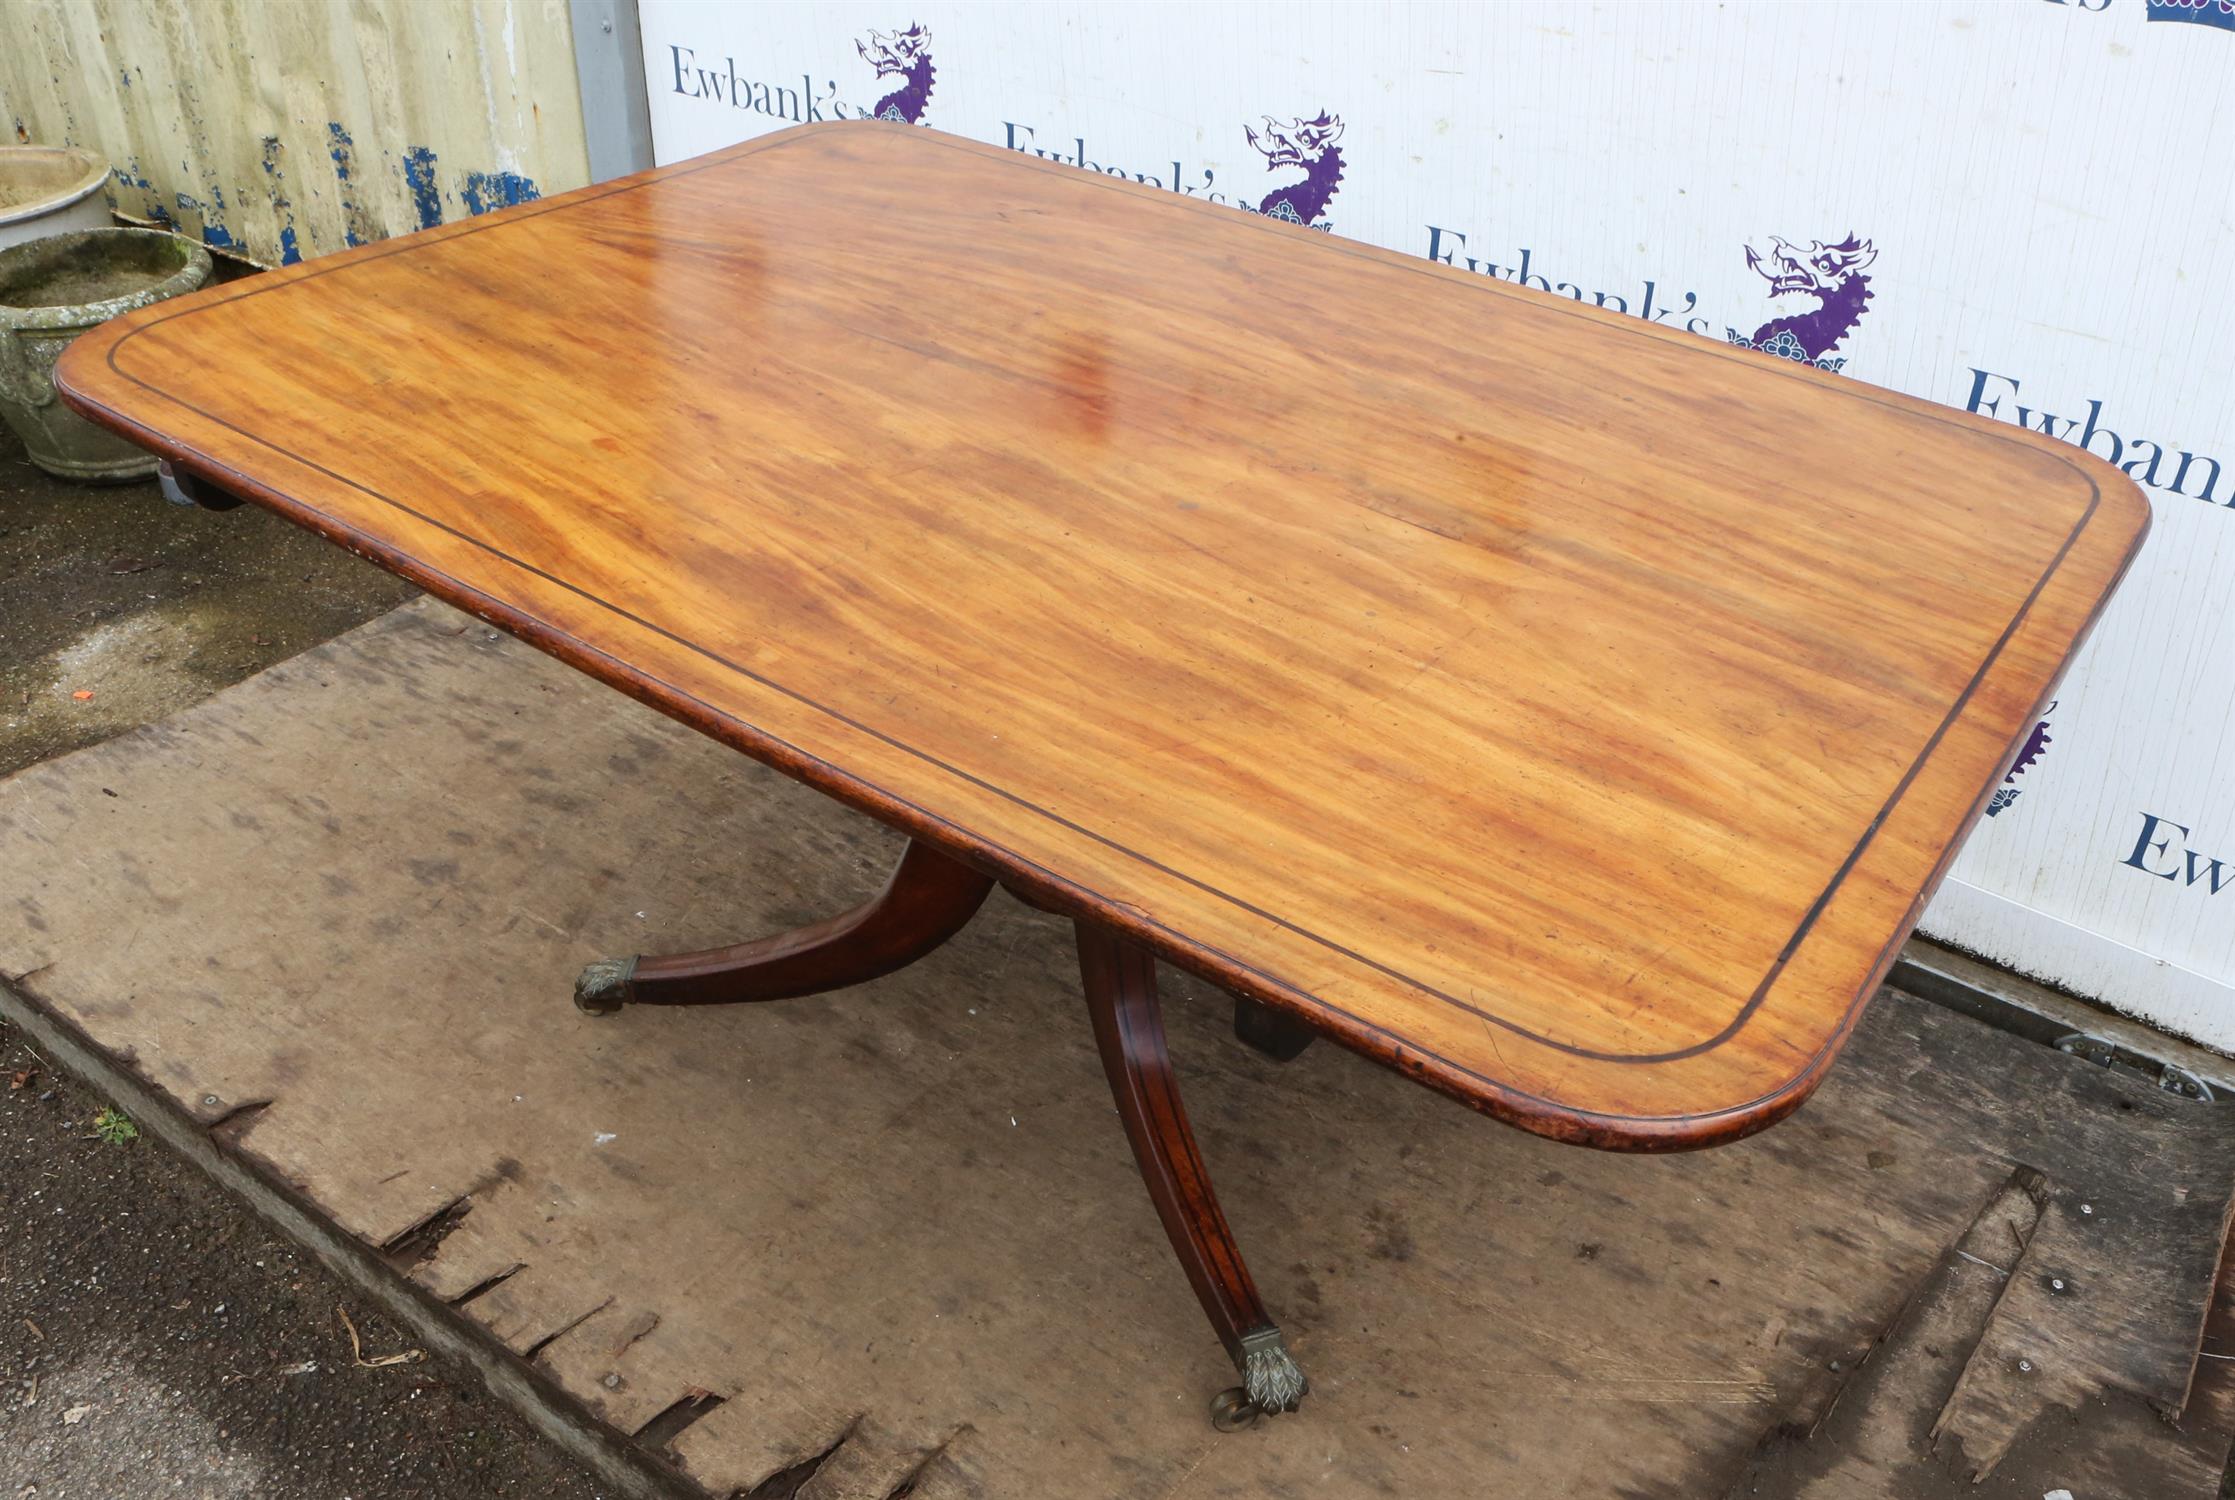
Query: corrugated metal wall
{"type": "Point", "coordinates": [282, 129]}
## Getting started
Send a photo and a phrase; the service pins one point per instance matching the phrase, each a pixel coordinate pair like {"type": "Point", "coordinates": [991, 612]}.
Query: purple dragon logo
{"type": "Point", "coordinates": [2035, 743]}
{"type": "Point", "coordinates": [2220, 13]}
{"type": "Point", "coordinates": [905, 55]}
{"type": "Point", "coordinates": [1833, 275]}
{"type": "Point", "coordinates": [1309, 144]}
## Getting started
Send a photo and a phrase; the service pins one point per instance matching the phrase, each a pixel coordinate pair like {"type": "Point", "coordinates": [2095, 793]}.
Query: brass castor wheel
{"type": "Point", "coordinates": [1233, 1411]}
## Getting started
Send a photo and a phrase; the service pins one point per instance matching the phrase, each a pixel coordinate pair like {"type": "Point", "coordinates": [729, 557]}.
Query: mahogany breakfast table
{"type": "Point", "coordinates": [1568, 712]}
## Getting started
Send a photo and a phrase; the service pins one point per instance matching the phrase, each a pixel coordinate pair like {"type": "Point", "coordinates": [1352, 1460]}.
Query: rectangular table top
{"type": "Point", "coordinates": [1571, 712]}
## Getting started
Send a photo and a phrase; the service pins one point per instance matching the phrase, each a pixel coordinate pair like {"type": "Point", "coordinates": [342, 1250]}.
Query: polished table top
{"type": "Point", "coordinates": [1572, 712]}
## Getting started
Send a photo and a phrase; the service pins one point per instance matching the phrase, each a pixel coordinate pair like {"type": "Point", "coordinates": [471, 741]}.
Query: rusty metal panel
{"type": "Point", "coordinates": [284, 130]}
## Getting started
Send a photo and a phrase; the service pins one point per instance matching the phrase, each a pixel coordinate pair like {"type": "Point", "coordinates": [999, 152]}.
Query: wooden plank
{"type": "Point", "coordinates": [1469, 685]}
{"type": "Point", "coordinates": [2112, 1249]}
{"type": "Point", "coordinates": [1981, 1389]}
{"type": "Point", "coordinates": [907, 1212]}
{"type": "Point", "coordinates": [1877, 1439]}
{"type": "Point", "coordinates": [1875, 1435]}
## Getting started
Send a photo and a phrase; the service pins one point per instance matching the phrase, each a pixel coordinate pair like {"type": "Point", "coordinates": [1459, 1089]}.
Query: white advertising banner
{"type": "Point", "coordinates": [2022, 208]}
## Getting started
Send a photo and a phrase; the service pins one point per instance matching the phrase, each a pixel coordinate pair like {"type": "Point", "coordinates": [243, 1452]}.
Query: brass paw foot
{"type": "Point", "coordinates": [1271, 1383]}
{"type": "Point", "coordinates": [603, 986]}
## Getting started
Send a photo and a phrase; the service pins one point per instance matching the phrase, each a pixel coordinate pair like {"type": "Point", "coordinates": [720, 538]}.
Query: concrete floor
{"type": "Point", "coordinates": [155, 1337]}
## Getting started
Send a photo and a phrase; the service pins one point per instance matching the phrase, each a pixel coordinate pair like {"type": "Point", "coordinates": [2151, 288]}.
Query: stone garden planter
{"type": "Point", "coordinates": [50, 190]}
{"type": "Point", "coordinates": [52, 290]}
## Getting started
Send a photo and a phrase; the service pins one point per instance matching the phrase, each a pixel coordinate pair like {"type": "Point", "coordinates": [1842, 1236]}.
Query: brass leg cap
{"type": "Point", "coordinates": [603, 986]}
{"type": "Point", "coordinates": [1269, 1374]}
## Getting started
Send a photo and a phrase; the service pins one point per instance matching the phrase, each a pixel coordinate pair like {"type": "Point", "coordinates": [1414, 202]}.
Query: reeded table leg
{"type": "Point", "coordinates": [1129, 1029]}
{"type": "Point", "coordinates": [927, 901]}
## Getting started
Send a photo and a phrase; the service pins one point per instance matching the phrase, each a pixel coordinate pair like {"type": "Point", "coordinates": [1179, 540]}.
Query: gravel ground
{"type": "Point", "coordinates": [155, 1338]}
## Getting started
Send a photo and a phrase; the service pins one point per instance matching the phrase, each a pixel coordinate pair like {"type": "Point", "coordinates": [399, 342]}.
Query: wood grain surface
{"type": "Point", "coordinates": [1571, 712]}
{"type": "Point", "coordinates": [330, 916]}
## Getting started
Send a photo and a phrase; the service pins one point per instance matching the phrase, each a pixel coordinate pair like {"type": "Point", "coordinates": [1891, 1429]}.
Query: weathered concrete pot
{"type": "Point", "coordinates": [52, 290]}
{"type": "Point", "coordinates": [50, 190]}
